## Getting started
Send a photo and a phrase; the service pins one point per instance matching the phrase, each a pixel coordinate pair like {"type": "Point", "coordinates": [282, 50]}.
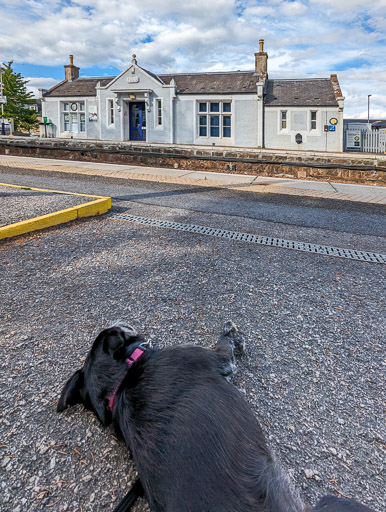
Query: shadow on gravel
{"type": "Point", "coordinates": [166, 193]}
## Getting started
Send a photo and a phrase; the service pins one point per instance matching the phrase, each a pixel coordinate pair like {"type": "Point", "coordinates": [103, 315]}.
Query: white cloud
{"type": "Point", "coordinates": [303, 38]}
{"type": "Point", "coordinates": [293, 8]}
{"type": "Point", "coordinates": [36, 83]}
{"type": "Point", "coordinates": [260, 11]}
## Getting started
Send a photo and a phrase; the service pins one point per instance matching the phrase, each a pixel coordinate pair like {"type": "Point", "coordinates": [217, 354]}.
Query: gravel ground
{"type": "Point", "coordinates": [22, 204]}
{"type": "Point", "coordinates": [312, 371]}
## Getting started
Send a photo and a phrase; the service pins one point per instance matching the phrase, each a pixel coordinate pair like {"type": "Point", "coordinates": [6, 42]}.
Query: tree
{"type": "Point", "coordinates": [18, 99]}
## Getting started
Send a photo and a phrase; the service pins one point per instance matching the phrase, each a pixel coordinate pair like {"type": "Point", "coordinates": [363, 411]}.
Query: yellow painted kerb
{"type": "Point", "coordinates": [98, 206]}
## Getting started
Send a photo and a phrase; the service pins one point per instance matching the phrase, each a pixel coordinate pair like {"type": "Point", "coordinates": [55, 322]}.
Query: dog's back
{"type": "Point", "coordinates": [194, 439]}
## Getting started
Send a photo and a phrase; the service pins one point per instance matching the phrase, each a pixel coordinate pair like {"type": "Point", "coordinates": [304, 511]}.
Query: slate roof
{"type": "Point", "coordinates": [318, 92]}
{"type": "Point", "coordinates": [231, 82]}
{"type": "Point", "coordinates": [305, 92]}
{"type": "Point", "coordinates": [78, 87]}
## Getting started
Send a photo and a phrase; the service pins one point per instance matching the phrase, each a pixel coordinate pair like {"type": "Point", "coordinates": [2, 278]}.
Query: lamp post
{"type": "Point", "coordinates": [368, 110]}
{"type": "Point", "coordinates": [1, 95]}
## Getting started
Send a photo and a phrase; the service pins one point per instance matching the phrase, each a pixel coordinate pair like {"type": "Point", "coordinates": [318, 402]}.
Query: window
{"type": "Point", "coordinates": [226, 126]}
{"type": "Point", "coordinates": [283, 120]}
{"type": "Point", "coordinates": [215, 119]}
{"type": "Point", "coordinates": [313, 119]}
{"type": "Point", "coordinates": [110, 112]}
{"type": "Point", "coordinates": [74, 116]}
{"type": "Point", "coordinates": [203, 126]}
{"type": "Point", "coordinates": [158, 112]}
{"type": "Point", "coordinates": [214, 126]}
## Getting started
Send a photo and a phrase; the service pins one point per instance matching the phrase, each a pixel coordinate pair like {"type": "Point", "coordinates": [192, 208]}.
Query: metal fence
{"type": "Point", "coordinates": [374, 141]}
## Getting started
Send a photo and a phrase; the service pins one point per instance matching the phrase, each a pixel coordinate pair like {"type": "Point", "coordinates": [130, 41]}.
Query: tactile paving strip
{"type": "Point", "coordinates": [338, 252]}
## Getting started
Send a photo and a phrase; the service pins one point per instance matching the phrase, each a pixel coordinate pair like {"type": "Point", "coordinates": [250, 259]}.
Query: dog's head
{"type": "Point", "coordinates": [102, 371]}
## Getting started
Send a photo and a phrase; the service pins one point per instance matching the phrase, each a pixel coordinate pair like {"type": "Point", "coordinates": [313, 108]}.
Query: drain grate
{"type": "Point", "coordinates": [351, 254]}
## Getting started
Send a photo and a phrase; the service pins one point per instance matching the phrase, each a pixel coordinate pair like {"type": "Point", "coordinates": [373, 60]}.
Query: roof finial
{"type": "Point", "coordinates": [134, 60]}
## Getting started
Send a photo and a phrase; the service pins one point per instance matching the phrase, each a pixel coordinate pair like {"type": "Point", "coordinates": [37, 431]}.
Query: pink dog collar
{"type": "Point", "coordinates": [129, 361]}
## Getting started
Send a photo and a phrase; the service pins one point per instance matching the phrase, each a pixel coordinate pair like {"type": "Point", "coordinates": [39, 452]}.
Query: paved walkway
{"type": "Point", "coordinates": [249, 183]}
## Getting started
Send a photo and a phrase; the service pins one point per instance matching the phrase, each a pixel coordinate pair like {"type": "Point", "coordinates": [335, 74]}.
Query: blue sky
{"type": "Point", "coordinates": [303, 38]}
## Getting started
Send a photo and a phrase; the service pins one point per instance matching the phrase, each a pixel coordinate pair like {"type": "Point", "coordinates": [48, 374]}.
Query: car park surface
{"type": "Point", "coordinates": [312, 370]}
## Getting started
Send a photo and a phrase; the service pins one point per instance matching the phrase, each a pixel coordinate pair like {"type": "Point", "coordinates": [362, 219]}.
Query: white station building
{"type": "Point", "coordinates": [233, 109]}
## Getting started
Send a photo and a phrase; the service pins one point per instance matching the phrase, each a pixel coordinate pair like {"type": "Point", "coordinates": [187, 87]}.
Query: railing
{"type": "Point", "coordinates": [374, 141]}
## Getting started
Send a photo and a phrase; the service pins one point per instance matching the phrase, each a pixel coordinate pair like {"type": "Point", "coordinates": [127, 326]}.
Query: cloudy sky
{"type": "Point", "coordinates": [303, 38]}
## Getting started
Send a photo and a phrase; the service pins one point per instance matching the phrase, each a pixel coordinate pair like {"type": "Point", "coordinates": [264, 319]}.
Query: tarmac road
{"type": "Point", "coordinates": [312, 372]}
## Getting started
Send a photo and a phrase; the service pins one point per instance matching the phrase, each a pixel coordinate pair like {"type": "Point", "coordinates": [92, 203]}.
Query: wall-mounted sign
{"type": "Point", "coordinates": [326, 127]}
{"type": "Point", "coordinates": [353, 139]}
{"type": "Point", "coordinates": [298, 138]}
{"type": "Point", "coordinates": [331, 128]}
{"type": "Point", "coordinates": [333, 121]}
{"type": "Point", "coordinates": [92, 113]}
{"type": "Point", "coordinates": [3, 100]}
{"type": "Point", "coordinates": [74, 106]}
{"type": "Point", "coordinates": [133, 79]}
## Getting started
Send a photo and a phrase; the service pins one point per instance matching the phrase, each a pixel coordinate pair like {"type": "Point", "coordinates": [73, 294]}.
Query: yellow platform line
{"type": "Point", "coordinates": [98, 206]}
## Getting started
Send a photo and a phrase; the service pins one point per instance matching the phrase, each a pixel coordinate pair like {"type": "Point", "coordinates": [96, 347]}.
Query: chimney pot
{"type": "Point", "coordinates": [71, 60]}
{"type": "Point", "coordinates": [261, 45]}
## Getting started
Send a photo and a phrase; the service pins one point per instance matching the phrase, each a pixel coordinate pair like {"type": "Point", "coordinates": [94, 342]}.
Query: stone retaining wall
{"type": "Point", "coordinates": [363, 169]}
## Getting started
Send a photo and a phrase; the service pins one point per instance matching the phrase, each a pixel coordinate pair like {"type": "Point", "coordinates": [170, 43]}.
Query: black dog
{"type": "Point", "coordinates": [194, 439]}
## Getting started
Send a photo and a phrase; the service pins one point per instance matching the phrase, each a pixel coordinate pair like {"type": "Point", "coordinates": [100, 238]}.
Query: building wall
{"type": "Point", "coordinates": [246, 121]}
{"type": "Point", "coordinates": [51, 112]}
{"type": "Point", "coordinates": [108, 131]}
{"type": "Point", "coordinates": [243, 120]}
{"type": "Point", "coordinates": [184, 120]}
{"type": "Point", "coordinates": [160, 133]}
{"type": "Point", "coordinates": [299, 121]}
{"type": "Point", "coordinates": [52, 108]}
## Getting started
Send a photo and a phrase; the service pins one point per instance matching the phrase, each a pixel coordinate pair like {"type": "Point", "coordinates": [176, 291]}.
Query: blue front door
{"type": "Point", "coordinates": [137, 120]}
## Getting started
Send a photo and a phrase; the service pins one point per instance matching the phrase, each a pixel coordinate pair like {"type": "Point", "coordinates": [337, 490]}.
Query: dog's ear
{"type": "Point", "coordinates": [114, 344]}
{"type": "Point", "coordinates": [117, 339]}
{"type": "Point", "coordinates": [71, 391]}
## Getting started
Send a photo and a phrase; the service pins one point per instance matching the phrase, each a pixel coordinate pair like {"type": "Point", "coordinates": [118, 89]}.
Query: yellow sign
{"type": "Point", "coordinates": [333, 121]}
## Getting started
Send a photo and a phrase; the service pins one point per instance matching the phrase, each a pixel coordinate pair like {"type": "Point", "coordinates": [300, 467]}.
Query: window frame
{"type": "Point", "coordinates": [110, 110]}
{"type": "Point", "coordinates": [313, 122]}
{"type": "Point", "coordinates": [67, 109]}
{"type": "Point", "coordinates": [283, 120]}
{"type": "Point", "coordinates": [211, 114]}
{"type": "Point", "coordinates": [158, 113]}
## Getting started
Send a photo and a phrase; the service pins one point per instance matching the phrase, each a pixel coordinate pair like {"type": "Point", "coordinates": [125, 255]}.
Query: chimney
{"type": "Point", "coordinates": [71, 72]}
{"type": "Point", "coordinates": [337, 91]}
{"type": "Point", "coordinates": [336, 86]}
{"type": "Point", "coordinates": [261, 61]}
